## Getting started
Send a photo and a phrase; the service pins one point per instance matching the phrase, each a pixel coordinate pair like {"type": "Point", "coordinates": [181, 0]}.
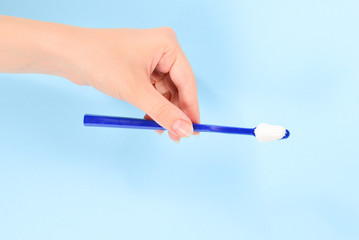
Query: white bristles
{"type": "Point", "coordinates": [266, 133]}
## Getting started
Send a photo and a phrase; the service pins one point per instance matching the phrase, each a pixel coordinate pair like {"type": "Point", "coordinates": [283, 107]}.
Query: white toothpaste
{"type": "Point", "coordinates": [266, 133]}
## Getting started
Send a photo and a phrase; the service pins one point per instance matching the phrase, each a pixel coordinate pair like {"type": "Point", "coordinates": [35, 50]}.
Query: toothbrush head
{"type": "Point", "coordinates": [266, 133]}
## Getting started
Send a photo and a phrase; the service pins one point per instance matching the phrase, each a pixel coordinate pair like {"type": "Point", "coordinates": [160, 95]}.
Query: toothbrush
{"type": "Point", "coordinates": [263, 132]}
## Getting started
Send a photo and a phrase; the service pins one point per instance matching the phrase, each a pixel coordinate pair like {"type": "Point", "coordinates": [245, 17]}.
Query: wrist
{"type": "Point", "coordinates": [53, 46]}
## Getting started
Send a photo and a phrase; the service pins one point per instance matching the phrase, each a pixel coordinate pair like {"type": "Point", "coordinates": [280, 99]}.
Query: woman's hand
{"type": "Point", "coordinates": [146, 68]}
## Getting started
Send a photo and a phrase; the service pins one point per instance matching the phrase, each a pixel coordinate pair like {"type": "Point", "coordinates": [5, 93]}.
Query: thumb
{"type": "Point", "coordinates": [164, 112]}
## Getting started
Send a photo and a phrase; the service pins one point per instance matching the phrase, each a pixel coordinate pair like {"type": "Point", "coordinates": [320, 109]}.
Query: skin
{"type": "Point", "coordinates": [145, 67]}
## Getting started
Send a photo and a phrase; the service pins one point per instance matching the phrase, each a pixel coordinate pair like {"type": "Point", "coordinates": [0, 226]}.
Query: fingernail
{"type": "Point", "coordinates": [159, 132]}
{"type": "Point", "coordinates": [177, 141]}
{"type": "Point", "coordinates": [196, 134]}
{"type": "Point", "coordinates": [182, 128]}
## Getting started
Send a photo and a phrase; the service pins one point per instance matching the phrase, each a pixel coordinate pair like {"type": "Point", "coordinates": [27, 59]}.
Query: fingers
{"type": "Point", "coordinates": [183, 77]}
{"type": "Point", "coordinates": [160, 82]}
{"type": "Point", "coordinates": [174, 62]}
{"type": "Point", "coordinates": [160, 132]}
{"type": "Point", "coordinates": [175, 96]}
{"type": "Point", "coordinates": [172, 135]}
{"type": "Point", "coordinates": [156, 75]}
{"type": "Point", "coordinates": [163, 112]}
{"type": "Point", "coordinates": [180, 88]}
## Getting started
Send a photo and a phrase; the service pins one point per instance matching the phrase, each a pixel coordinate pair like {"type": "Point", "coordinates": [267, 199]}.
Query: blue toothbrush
{"type": "Point", "coordinates": [263, 132]}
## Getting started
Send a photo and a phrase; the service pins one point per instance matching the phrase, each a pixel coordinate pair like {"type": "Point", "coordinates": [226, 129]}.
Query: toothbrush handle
{"type": "Point", "coordinates": [136, 123]}
{"type": "Point", "coordinates": [120, 122]}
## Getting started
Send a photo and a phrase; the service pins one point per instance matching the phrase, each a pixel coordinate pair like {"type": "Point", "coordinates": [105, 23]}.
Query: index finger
{"type": "Point", "coordinates": [183, 77]}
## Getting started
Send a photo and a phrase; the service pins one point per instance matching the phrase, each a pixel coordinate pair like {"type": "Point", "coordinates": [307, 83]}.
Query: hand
{"type": "Point", "coordinates": [146, 68]}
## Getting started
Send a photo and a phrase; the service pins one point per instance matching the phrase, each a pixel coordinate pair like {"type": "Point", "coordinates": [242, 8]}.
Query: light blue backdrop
{"type": "Point", "coordinates": [293, 63]}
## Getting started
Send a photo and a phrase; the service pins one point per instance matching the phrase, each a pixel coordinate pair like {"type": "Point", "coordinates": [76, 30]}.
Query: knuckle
{"type": "Point", "coordinates": [169, 35]}
{"type": "Point", "coordinates": [169, 31]}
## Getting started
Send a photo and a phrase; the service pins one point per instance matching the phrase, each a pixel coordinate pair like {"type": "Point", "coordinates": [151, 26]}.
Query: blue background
{"type": "Point", "coordinates": [292, 63]}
